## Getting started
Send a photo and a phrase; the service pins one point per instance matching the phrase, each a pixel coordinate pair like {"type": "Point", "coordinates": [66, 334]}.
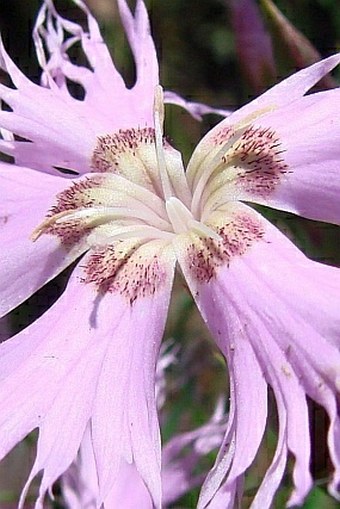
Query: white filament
{"type": "Point", "coordinates": [98, 215]}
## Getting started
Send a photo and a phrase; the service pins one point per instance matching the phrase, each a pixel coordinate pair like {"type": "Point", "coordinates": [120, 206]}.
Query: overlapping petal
{"type": "Point", "coordinates": [180, 457]}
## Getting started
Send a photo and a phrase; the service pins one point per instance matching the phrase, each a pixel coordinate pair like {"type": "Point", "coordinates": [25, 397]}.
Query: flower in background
{"type": "Point", "coordinates": [253, 44]}
{"type": "Point", "coordinates": [85, 370]}
{"type": "Point", "coordinates": [181, 456]}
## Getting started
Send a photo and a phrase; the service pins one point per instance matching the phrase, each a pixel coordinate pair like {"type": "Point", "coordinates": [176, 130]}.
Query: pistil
{"type": "Point", "coordinates": [159, 121]}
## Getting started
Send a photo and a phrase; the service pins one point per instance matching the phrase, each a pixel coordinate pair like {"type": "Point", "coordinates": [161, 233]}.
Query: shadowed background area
{"type": "Point", "coordinates": [219, 52]}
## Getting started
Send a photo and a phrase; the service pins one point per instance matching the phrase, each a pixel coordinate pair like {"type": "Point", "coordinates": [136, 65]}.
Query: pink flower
{"type": "Point", "coordinates": [252, 43]}
{"type": "Point", "coordinates": [85, 371]}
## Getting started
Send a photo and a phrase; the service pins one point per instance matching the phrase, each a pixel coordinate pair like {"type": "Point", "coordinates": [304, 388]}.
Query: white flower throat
{"type": "Point", "coordinates": [138, 188]}
{"type": "Point", "coordinates": [139, 195]}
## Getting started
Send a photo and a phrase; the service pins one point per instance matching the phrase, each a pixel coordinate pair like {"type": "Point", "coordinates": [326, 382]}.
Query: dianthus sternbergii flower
{"type": "Point", "coordinates": [85, 370]}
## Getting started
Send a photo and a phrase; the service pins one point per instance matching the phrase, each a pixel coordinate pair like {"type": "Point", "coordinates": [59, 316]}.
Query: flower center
{"type": "Point", "coordinates": [137, 189]}
{"type": "Point", "coordinates": [137, 208]}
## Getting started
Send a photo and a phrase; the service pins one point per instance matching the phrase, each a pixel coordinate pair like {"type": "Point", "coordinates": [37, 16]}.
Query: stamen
{"type": "Point", "coordinates": [145, 232]}
{"type": "Point", "coordinates": [96, 216]}
{"type": "Point", "coordinates": [159, 121]}
{"type": "Point", "coordinates": [99, 215]}
{"type": "Point", "coordinates": [41, 228]}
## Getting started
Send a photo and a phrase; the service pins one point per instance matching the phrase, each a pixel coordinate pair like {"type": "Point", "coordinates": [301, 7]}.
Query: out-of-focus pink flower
{"type": "Point", "coordinates": [85, 371]}
{"type": "Point", "coordinates": [182, 453]}
{"type": "Point", "coordinates": [253, 43]}
{"type": "Point", "coordinates": [180, 458]}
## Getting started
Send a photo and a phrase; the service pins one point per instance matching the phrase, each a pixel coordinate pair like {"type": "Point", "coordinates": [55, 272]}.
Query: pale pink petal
{"type": "Point", "coordinates": [36, 364]}
{"type": "Point", "coordinates": [25, 265]}
{"type": "Point", "coordinates": [250, 402]}
{"type": "Point", "coordinates": [180, 457]}
{"type": "Point", "coordinates": [100, 82]}
{"type": "Point", "coordinates": [80, 483]}
{"type": "Point", "coordinates": [226, 496]}
{"type": "Point", "coordinates": [137, 341]}
{"type": "Point", "coordinates": [305, 330]}
{"type": "Point", "coordinates": [278, 97]}
{"type": "Point", "coordinates": [288, 90]}
{"type": "Point", "coordinates": [97, 350]}
{"type": "Point", "coordinates": [309, 133]}
{"type": "Point", "coordinates": [69, 140]}
{"type": "Point", "coordinates": [224, 457]}
{"type": "Point", "coordinates": [275, 305]}
{"type": "Point", "coordinates": [70, 137]}
{"type": "Point", "coordinates": [293, 426]}
{"type": "Point", "coordinates": [54, 35]}
{"type": "Point", "coordinates": [137, 29]}
{"type": "Point", "coordinates": [105, 91]}
{"type": "Point", "coordinates": [248, 410]}
{"type": "Point", "coordinates": [129, 491]}
{"type": "Point", "coordinates": [272, 479]}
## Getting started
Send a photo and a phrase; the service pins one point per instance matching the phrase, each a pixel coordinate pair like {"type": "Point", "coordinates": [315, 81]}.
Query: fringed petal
{"type": "Point", "coordinates": [280, 312]}
{"type": "Point", "coordinates": [98, 351]}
